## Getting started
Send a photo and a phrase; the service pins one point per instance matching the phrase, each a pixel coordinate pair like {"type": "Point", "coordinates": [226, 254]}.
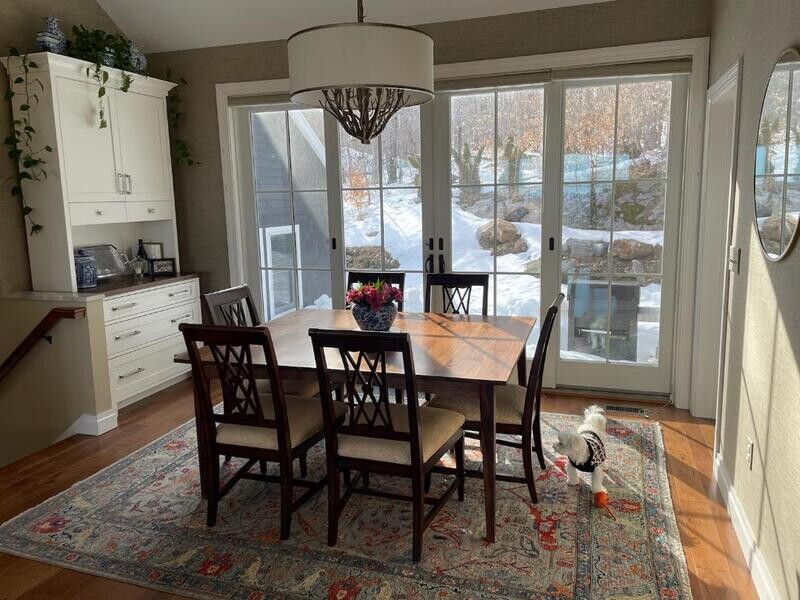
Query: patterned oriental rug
{"type": "Point", "coordinates": [142, 521]}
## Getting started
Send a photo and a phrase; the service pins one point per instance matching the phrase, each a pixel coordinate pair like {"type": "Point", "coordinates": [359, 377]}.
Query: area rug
{"type": "Point", "coordinates": [141, 520]}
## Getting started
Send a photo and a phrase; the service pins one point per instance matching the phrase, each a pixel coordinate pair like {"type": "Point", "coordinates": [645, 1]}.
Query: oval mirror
{"type": "Point", "coordinates": [777, 164]}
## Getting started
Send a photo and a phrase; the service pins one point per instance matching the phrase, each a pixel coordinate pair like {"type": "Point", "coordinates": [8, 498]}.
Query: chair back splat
{"type": "Point", "coordinates": [457, 291]}
{"type": "Point", "coordinates": [233, 307]}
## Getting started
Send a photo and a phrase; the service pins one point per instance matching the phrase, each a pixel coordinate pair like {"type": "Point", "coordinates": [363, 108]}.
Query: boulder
{"type": "Point", "coordinates": [627, 249]}
{"type": "Point", "coordinates": [368, 258]}
{"type": "Point", "coordinates": [509, 239]}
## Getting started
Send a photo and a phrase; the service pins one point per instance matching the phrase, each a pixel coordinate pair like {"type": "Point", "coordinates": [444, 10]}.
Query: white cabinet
{"type": "Point", "coordinates": [111, 185]}
{"type": "Point", "coordinates": [140, 125]}
{"type": "Point", "coordinates": [92, 170]}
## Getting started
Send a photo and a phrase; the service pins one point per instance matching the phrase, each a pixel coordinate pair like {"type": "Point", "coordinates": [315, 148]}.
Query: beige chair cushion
{"type": "Point", "coordinates": [436, 427]}
{"type": "Point", "coordinates": [509, 402]}
{"type": "Point", "coordinates": [305, 420]}
{"type": "Point", "coordinates": [291, 387]}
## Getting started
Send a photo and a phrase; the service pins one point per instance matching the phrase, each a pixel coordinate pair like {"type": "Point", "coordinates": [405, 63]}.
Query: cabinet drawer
{"type": "Point", "coordinates": [142, 369]}
{"type": "Point", "coordinates": [149, 211]}
{"type": "Point", "coordinates": [91, 213]}
{"type": "Point", "coordinates": [126, 306]}
{"type": "Point", "coordinates": [131, 333]}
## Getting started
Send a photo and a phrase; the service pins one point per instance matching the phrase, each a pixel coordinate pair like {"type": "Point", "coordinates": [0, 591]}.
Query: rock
{"type": "Point", "coordinates": [627, 249]}
{"type": "Point", "coordinates": [533, 266]}
{"type": "Point", "coordinates": [577, 248]}
{"type": "Point", "coordinates": [516, 212]}
{"type": "Point", "coordinates": [368, 258]}
{"type": "Point", "coordinates": [509, 239]}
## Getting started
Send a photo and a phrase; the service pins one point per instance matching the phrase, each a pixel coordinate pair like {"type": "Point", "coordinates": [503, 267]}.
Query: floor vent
{"type": "Point", "coordinates": [626, 409]}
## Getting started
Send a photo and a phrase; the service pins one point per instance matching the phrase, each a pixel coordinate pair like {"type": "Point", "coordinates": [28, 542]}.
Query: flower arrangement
{"type": "Point", "coordinates": [376, 294]}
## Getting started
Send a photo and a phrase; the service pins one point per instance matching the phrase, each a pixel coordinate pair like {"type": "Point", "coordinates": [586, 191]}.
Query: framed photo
{"type": "Point", "coordinates": [154, 249]}
{"type": "Point", "coordinates": [161, 266]}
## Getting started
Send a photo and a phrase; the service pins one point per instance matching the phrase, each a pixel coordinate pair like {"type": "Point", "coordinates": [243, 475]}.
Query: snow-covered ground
{"type": "Point", "coordinates": [402, 229]}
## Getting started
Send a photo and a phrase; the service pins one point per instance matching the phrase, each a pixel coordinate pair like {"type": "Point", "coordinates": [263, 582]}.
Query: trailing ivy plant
{"type": "Point", "coordinates": [21, 145]}
{"type": "Point", "coordinates": [104, 50]}
{"type": "Point", "coordinates": [181, 152]}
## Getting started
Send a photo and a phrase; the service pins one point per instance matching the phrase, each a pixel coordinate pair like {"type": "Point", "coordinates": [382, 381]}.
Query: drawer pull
{"type": "Point", "coordinates": [132, 373]}
{"type": "Point", "coordinates": [124, 306]}
{"type": "Point", "coordinates": [99, 212]}
{"type": "Point", "coordinates": [151, 211]}
{"type": "Point", "coordinates": [179, 319]}
{"type": "Point", "coordinates": [123, 336]}
{"type": "Point", "coordinates": [181, 293]}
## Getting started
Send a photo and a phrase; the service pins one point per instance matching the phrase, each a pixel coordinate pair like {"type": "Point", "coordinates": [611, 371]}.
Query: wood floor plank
{"type": "Point", "coordinates": [717, 568]}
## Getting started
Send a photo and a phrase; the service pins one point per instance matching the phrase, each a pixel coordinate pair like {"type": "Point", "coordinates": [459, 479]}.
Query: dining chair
{"type": "Point", "coordinates": [457, 291]}
{"type": "Point", "coordinates": [396, 278]}
{"type": "Point", "coordinates": [377, 436]}
{"type": "Point", "coordinates": [517, 408]}
{"type": "Point", "coordinates": [254, 426]}
{"type": "Point", "coordinates": [235, 307]}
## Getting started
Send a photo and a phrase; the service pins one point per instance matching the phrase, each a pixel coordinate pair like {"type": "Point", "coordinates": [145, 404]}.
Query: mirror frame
{"type": "Point", "coordinates": [791, 50]}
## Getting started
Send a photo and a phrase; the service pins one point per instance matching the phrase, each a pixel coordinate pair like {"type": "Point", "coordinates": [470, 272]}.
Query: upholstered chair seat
{"type": "Point", "coordinates": [509, 404]}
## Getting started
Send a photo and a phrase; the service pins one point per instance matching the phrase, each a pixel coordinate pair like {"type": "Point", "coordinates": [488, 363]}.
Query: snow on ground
{"type": "Point", "coordinates": [520, 295]}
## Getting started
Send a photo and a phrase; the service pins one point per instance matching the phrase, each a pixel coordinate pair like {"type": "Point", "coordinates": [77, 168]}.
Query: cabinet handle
{"type": "Point", "coordinates": [123, 306]}
{"type": "Point", "coordinates": [132, 373]}
{"type": "Point", "coordinates": [151, 211]}
{"type": "Point", "coordinates": [99, 212]}
{"type": "Point", "coordinates": [179, 319]}
{"type": "Point", "coordinates": [181, 293]}
{"type": "Point", "coordinates": [123, 336]}
{"type": "Point", "coordinates": [120, 184]}
{"type": "Point", "coordinates": [128, 184]}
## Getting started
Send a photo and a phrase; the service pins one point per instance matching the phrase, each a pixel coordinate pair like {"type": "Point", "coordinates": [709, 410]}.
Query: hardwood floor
{"type": "Point", "coordinates": [717, 568]}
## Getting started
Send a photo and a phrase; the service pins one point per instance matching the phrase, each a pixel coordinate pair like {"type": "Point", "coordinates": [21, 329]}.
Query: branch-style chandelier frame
{"type": "Point", "coordinates": [361, 73]}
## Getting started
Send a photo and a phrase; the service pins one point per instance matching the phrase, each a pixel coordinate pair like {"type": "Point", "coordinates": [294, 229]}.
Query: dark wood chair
{"type": "Point", "coordinates": [517, 408]}
{"type": "Point", "coordinates": [377, 436]}
{"type": "Point", "coordinates": [257, 427]}
{"type": "Point", "coordinates": [234, 307]}
{"type": "Point", "coordinates": [457, 291]}
{"type": "Point", "coordinates": [396, 278]}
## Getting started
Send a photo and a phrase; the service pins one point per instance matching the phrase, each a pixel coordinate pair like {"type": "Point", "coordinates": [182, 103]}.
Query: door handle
{"type": "Point", "coordinates": [552, 244]}
{"type": "Point", "coordinates": [441, 263]}
{"type": "Point", "coordinates": [129, 185]}
{"type": "Point", "coordinates": [429, 263]}
{"type": "Point", "coordinates": [429, 243]}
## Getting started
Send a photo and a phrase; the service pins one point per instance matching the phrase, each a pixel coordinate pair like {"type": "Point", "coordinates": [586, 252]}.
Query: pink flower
{"type": "Point", "coordinates": [376, 294]}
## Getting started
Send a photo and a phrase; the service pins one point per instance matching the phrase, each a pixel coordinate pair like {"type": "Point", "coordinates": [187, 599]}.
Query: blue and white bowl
{"type": "Point", "coordinates": [374, 320]}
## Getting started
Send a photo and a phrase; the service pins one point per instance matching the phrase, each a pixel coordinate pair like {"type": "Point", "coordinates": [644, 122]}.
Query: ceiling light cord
{"type": "Point", "coordinates": [360, 11]}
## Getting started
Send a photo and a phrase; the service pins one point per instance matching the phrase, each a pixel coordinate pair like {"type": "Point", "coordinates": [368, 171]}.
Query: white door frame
{"type": "Point", "coordinates": [695, 48]}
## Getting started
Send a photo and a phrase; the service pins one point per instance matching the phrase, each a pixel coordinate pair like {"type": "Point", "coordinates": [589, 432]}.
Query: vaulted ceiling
{"type": "Point", "coordinates": [163, 25]}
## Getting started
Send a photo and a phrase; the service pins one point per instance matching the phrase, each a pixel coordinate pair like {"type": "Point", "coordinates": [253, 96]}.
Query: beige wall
{"type": "Point", "coordinates": [199, 200]}
{"type": "Point", "coordinates": [762, 398]}
{"type": "Point", "coordinates": [19, 22]}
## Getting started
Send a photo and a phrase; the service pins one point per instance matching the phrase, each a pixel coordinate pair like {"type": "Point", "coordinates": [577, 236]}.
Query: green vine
{"type": "Point", "coordinates": [181, 152]}
{"type": "Point", "coordinates": [20, 144]}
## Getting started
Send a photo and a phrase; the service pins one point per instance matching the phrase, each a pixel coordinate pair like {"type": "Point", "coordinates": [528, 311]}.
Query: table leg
{"type": "Point", "coordinates": [522, 366]}
{"type": "Point", "coordinates": [202, 447]}
{"type": "Point", "coordinates": [489, 451]}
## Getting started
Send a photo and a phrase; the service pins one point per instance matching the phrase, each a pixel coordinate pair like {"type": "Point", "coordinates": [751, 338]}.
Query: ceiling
{"type": "Point", "coordinates": [164, 25]}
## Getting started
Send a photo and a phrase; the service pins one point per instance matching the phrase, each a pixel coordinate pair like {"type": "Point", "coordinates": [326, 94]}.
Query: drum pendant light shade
{"type": "Point", "coordinates": [361, 73]}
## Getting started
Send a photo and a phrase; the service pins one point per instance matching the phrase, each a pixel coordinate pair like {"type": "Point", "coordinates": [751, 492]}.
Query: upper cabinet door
{"type": "Point", "coordinates": [91, 168]}
{"type": "Point", "coordinates": [140, 125]}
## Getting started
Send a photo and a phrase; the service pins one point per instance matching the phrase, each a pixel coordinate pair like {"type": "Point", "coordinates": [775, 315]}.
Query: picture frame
{"type": "Point", "coordinates": [154, 249]}
{"type": "Point", "coordinates": [161, 266]}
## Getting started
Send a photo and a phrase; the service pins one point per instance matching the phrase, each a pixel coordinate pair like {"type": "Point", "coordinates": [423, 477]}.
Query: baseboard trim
{"type": "Point", "coordinates": [91, 424]}
{"type": "Point", "coordinates": [762, 579]}
{"type": "Point", "coordinates": [152, 390]}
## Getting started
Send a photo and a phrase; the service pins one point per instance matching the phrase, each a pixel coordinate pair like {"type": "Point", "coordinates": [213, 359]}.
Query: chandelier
{"type": "Point", "coordinates": [361, 73]}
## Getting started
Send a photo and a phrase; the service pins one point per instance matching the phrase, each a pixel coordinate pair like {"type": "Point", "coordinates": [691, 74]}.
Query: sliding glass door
{"type": "Point", "coordinates": [571, 185]}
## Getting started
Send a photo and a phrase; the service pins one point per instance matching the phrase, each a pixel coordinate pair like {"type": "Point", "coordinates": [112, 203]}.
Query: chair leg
{"type": "Point", "coordinates": [365, 478]}
{"type": "Point", "coordinates": [537, 439]}
{"type": "Point", "coordinates": [418, 512]}
{"type": "Point", "coordinates": [262, 466]}
{"type": "Point", "coordinates": [213, 490]}
{"type": "Point", "coordinates": [460, 467]}
{"type": "Point", "coordinates": [398, 396]}
{"type": "Point", "coordinates": [286, 499]}
{"type": "Point", "coordinates": [304, 465]}
{"type": "Point", "coordinates": [427, 482]}
{"type": "Point", "coordinates": [333, 503]}
{"type": "Point", "coordinates": [227, 458]}
{"type": "Point", "coordinates": [527, 462]}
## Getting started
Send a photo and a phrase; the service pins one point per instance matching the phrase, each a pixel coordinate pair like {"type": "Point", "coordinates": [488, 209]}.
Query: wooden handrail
{"type": "Point", "coordinates": [38, 332]}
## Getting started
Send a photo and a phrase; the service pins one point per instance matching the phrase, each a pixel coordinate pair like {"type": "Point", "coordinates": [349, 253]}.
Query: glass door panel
{"type": "Point", "coordinates": [382, 202]}
{"type": "Point", "coordinates": [615, 175]}
{"type": "Point", "coordinates": [288, 155]}
{"type": "Point", "coordinates": [496, 172]}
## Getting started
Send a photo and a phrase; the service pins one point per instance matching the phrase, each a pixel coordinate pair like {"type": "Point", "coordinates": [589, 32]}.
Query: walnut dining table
{"type": "Point", "coordinates": [453, 354]}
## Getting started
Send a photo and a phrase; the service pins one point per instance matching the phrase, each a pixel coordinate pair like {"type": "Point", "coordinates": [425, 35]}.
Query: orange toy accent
{"type": "Point", "coordinates": [601, 501]}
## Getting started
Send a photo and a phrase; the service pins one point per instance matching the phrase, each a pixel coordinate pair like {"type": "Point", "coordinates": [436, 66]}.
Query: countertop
{"type": "Point", "coordinates": [126, 284]}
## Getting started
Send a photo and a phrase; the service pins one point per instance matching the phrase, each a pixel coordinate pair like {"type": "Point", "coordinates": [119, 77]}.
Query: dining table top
{"type": "Point", "coordinates": [471, 349]}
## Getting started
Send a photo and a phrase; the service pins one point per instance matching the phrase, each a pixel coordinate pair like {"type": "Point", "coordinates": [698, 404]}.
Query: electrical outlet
{"type": "Point", "coordinates": [749, 456]}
